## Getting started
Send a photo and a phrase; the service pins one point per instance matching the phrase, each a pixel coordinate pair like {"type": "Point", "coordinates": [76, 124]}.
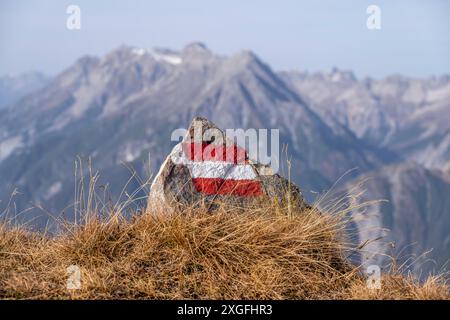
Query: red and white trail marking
{"type": "Point", "coordinates": [218, 169]}
{"type": "Point", "coordinates": [206, 163]}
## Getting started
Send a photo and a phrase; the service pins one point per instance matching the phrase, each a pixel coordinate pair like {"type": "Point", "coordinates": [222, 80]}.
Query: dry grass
{"type": "Point", "coordinates": [268, 252]}
{"type": "Point", "coordinates": [257, 254]}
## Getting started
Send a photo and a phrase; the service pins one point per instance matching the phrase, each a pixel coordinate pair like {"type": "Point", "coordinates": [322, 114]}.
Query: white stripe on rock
{"type": "Point", "coordinates": [224, 170]}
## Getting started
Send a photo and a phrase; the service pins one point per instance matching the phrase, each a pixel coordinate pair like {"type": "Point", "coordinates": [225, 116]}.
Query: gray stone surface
{"type": "Point", "coordinates": [173, 186]}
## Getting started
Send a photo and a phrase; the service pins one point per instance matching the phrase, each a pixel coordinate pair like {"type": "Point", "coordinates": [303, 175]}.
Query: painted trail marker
{"type": "Point", "coordinates": [212, 173]}
{"type": "Point", "coordinates": [207, 170]}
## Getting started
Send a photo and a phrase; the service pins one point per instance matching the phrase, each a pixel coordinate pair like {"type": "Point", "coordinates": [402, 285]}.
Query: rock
{"type": "Point", "coordinates": [208, 169]}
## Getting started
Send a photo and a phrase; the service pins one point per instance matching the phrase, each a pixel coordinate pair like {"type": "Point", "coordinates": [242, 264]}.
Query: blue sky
{"type": "Point", "coordinates": [308, 35]}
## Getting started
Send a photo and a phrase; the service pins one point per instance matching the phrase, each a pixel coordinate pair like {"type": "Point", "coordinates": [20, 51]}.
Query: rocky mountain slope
{"type": "Point", "coordinates": [413, 219]}
{"type": "Point", "coordinates": [14, 87]}
{"type": "Point", "coordinates": [410, 118]}
{"type": "Point", "coordinates": [407, 116]}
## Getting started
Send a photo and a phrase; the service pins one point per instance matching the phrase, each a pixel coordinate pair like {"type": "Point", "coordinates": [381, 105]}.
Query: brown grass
{"type": "Point", "coordinates": [257, 254]}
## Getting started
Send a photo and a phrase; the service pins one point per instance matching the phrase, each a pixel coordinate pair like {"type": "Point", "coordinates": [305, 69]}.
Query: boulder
{"type": "Point", "coordinates": [208, 169]}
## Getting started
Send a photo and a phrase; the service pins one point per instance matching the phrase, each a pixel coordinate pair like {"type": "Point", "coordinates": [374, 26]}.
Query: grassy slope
{"type": "Point", "coordinates": [257, 254]}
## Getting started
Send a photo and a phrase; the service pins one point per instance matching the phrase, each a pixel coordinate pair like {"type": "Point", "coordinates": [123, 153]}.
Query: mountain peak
{"type": "Point", "coordinates": [196, 53]}
{"type": "Point", "coordinates": [82, 65]}
{"type": "Point", "coordinates": [196, 49]}
{"type": "Point", "coordinates": [196, 46]}
{"type": "Point", "coordinates": [86, 60]}
{"type": "Point", "coordinates": [338, 75]}
{"type": "Point", "coordinates": [245, 58]}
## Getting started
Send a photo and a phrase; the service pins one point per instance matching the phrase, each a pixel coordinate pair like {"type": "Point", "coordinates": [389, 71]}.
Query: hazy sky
{"type": "Point", "coordinates": [309, 35]}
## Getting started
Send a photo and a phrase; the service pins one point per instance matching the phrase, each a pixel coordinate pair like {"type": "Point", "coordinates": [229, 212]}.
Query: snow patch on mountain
{"type": "Point", "coordinates": [8, 146]}
{"type": "Point", "coordinates": [131, 151]}
{"type": "Point", "coordinates": [53, 190]}
{"type": "Point", "coordinates": [171, 57]}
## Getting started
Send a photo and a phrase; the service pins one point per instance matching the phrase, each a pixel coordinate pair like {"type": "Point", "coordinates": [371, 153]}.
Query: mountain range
{"type": "Point", "coordinates": [121, 108]}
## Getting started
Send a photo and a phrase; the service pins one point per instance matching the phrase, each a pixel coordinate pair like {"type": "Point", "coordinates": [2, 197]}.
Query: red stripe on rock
{"type": "Point", "coordinates": [228, 186]}
{"type": "Point", "coordinates": [212, 152]}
